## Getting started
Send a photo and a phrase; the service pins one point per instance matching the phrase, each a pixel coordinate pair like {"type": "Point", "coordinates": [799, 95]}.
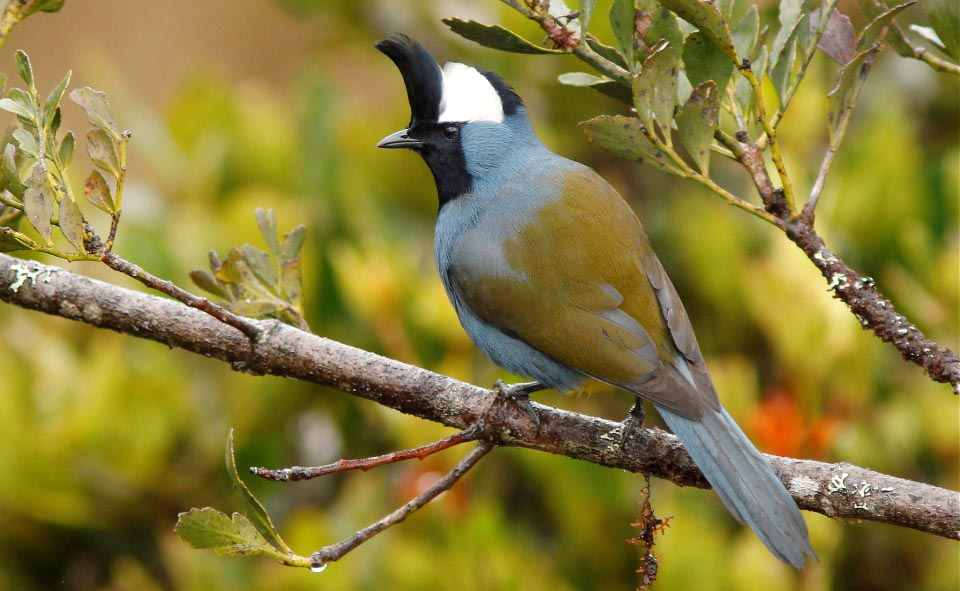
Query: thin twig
{"type": "Point", "coordinates": [364, 464]}
{"type": "Point", "coordinates": [245, 325]}
{"type": "Point", "coordinates": [787, 185]}
{"type": "Point", "coordinates": [337, 551]}
{"type": "Point", "coordinates": [808, 210]}
{"type": "Point", "coordinates": [582, 50]}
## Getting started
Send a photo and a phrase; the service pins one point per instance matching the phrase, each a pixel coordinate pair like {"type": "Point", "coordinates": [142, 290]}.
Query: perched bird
{"type": "Point", "coordinates": [553, 277]}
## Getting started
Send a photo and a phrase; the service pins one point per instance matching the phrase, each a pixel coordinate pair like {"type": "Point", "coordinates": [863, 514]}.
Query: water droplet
{"type": "Point", "coordinates": [320, 567]}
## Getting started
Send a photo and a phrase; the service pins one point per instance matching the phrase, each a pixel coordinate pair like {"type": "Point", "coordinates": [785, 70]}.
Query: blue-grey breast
{"type": "Point", "coordinates": [553, 277]}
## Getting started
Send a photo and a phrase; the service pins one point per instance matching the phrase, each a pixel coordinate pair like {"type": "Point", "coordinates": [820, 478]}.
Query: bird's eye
{"type": "Point", "coordinates": [449, 131]}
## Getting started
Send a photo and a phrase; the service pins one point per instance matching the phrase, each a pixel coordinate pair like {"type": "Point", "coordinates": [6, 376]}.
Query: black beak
{"type": "Point", "coordinates": [400, 139]}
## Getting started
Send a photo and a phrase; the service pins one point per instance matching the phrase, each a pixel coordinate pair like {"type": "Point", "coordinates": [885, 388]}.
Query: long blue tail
{"type": "Point", "coordinates": [744, 481]}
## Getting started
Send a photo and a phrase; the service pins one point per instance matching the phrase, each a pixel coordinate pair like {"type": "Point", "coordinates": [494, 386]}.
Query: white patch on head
{"type": "Point", "coordinates": [468, 96]}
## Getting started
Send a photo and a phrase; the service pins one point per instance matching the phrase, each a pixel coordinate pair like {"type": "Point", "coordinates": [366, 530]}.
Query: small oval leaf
{"type": "Point", "coordinates": [97, 192]}
{"type": "Point", "coordinates": [494, 37]}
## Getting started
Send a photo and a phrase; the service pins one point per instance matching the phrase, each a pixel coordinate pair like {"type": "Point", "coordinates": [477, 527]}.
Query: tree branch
{"type": "Point", "coordinates": [836, 490]}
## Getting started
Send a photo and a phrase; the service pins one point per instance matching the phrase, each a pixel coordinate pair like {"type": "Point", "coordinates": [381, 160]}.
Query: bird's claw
{"type": "Point", "coordinates": [519, 394]}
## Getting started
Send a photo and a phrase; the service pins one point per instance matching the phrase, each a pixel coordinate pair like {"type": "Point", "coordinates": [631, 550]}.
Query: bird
{"type": "Point", "coordinates": [553, 277]}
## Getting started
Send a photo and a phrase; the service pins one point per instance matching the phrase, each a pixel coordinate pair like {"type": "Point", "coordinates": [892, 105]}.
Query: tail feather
{"type": "Point", "coordinates": [744, 481]}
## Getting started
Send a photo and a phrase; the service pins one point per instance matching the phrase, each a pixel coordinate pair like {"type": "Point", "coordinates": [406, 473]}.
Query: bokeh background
{"type": "Point", "coordinates": [235, 105]}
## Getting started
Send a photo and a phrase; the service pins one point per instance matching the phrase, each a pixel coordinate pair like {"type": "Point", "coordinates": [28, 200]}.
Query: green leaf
{"type": "Point", "coordinates": [38, 202]}
{"type": "Point", "coordinates": [8, 168]}
{"type": "Point", "coordinates": [27, 142]}
{"type": "Point", "coordinates": [606, 52]}
{"type": "Point", "coordinates": [207, 282]}
{"type": "Point", "coordinates": [704, 15]}
{"type": "Point", "coordinates": [16, 104]}
{"type": "Point", "coordinates": [258, 515]}
{"type": "Point", "coordinates": [624, 137]}
{"type": "Point", "coordinates": [494, 37]}
{"type": "Point", "coordinates": [208, 528]}
{"type": "Point", "coordinates": [790, 13]}
{"type": "Point", "coordinates": [261, 264]}
{"type": "Point", "coordinates": [781, 71]}
{"type": "Point", "coordinates": [11, 240]}
{"type": "Point", "coordinates": [696, 122]}
{"type": "Point", "coordinates": [23, 67]}
{"type": "Point", "coordinates": [95, 105]}
{"type": "Point", "coordinates": [746, 32]}
{"type": "Point", "coordinates": [622, 14]}
{"type": "Point", "coordinates": [843, 96]}
{"type": "Point", "coordinates": [71, 223]}
{"type": "Point", "coordinates": [598, 83]}
{"type": "Point", "coordinates": [267, 222]}
{"type": "Point", "coordinates": [872, 31]}
{"type": "Point", "coordinates": [586, 11]}
{"type": "Point", "coordinates": [54, 98]}
{"type": "Point", "coordinates": [103, 151]}
{"type": "Point", "coordinates": [666, 27]}
{"type": "Point", "coordinates": [97, 192]}
{"type": "Point", "coordinates": [944, 17]}
{"type": "Point", "coordinates": [45, 6]}
{"type": "Point", "coordinates": [655, 87]}
{"type": "Point", "coordinates": [292, 243]}
{"type": "Point", "coordinates": [703, 61]}
{"type": "Point", "coordinates": [66, 149]}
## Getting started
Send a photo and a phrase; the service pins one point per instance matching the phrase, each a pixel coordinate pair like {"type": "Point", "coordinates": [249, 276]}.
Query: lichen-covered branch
{"type": "Point", "coordinates": [837, 490]}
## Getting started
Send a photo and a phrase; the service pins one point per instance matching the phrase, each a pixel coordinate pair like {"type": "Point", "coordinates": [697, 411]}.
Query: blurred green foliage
{"type": "Point", "coordinates": [106, 437]}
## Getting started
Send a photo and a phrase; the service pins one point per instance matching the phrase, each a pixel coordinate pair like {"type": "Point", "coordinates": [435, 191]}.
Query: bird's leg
{"type": "Point", "coordinates": [519, 394]}
{"type": "Point", "coordinates": [634, 420]}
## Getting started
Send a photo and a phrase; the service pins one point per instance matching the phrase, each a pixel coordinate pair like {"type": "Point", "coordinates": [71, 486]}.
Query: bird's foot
{"type": "Point", "coordinates": [634, 421]}
{"type": "Point", "coordinates": [519, 394]}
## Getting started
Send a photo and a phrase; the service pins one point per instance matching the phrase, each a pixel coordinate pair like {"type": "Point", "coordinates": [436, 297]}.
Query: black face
{"type": "Point", "coordinates": [441, 149]}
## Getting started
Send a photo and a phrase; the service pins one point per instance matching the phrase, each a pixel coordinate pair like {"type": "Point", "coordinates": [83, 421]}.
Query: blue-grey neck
{"type": "Point", "coordinates": [495, 152]}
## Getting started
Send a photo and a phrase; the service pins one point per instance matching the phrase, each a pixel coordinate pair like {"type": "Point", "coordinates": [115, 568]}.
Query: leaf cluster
{"type": "Point", "coordinates": [258, 283]}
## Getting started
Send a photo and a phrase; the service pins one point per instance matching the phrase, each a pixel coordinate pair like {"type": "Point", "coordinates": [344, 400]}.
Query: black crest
{"type": "Point", "coordinates": [421, 75]}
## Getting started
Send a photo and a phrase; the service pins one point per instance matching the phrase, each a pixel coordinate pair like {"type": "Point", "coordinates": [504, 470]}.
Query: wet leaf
{"type": "Point", "coordinates": [838, 40]}
{"type": "Point", "coordinates": [38, 202]}
{"type": "Point", "coordinates": [697, 121]}
{"type": "Point", "coordinates": [258, 515]}
{"type": "Point", "coordinates": [624, 137]}
{"type": "Point", "coordinates": [598, 83]}
{"type": "Point", "coordinates": [494, 37]}
{"type": "Point", "coordinates": [703, 61]}
{"type": "Point", "coordinates": [207, 282]}
{"type": "Point", "coordinates": [655, 87]}
{"type": "Point", "coordinates": [54, 98]}
{"type": "Point", "coordinates": [267, 222]}
{"type": "Point", "coordinates": [95, 105]}
{"type": "Point", "coordinates": [208, 528]}
{"type": "Point", "coordinates": [261, 264]}
{"type": "Point", "coordinates": [66, 149]}
{"type": "Point", "coordinates": [103, 151]}
{"type": "Point", "coordinates": [622, 13]}
{"type": "Point", "coordinates": [71, 223]}
{"type": "Point", "coordinates": [27, 142]}
{"type": "Point", "coordinates": [944, 17]}
{"type": "Point", "coordinates": [23, 67]}
{"type": "Point", "coordinates": [97, 192]}
{"type": "Point", "coordinates": [704, 15]}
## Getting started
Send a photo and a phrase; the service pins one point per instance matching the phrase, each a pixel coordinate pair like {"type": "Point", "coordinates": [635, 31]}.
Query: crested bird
{"type": "Point", "coordinates": [552, 277]}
